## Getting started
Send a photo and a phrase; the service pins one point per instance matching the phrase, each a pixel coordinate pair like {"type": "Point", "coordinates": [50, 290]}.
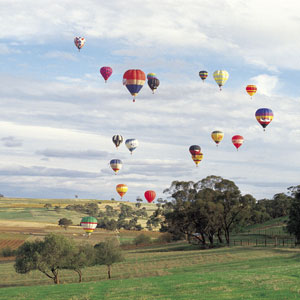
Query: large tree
{"type": "Point", "coordinates": [293, 225]}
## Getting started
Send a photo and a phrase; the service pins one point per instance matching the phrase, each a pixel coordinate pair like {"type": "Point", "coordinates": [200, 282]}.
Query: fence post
{"type": "Point", "coordinates": [265, 242]}
{"type": "Point", "coordinates": [256, 242]}
{"type": "Point", "coordinates": [233, 242]}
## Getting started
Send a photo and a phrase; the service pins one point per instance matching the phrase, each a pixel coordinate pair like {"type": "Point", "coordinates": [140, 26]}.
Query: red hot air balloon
{"type": "Point", "coordinates": [106, 72]}
{"type": "Point", "coordinates": [134, 81]}
{"type": "Point", "coordinates": [150, 196]}
{"type": "Point", "coordinates": [195, 149]}
{"type": "Point", "coordinates": [237, 141]}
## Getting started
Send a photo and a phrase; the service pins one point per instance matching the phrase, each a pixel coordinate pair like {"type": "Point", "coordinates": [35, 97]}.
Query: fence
{"type": "Point", "coordinates": [267, 242]}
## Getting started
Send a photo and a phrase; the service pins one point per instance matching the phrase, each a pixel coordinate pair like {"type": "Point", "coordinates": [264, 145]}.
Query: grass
{"type": "Point", "coordinates": [174, 271]}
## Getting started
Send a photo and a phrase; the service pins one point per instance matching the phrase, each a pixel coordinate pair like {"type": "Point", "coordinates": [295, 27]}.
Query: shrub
{"type": "Point", "coordinates": [142, 239]}
{"type": "Point", "coordinates": [7, 251]}
{"type": "Point", "coordinates": [165, 238]}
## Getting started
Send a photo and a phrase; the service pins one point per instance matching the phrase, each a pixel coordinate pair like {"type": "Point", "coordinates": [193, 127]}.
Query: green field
{"type": "Point", "coordinates": [176, 271]}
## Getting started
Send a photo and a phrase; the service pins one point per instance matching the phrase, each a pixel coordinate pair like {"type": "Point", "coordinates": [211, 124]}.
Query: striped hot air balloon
{"type": "Point", "coordinates": [251, 89]}
{"type": "Point", "coordinates": [217, 136]}
{"type": "Point", "coordinates": [220, 77]}
{"type": "Point", "coordinates": [117, 140]}
{"type": "Point", "coordinates": [106, 72]}
{"type": "Point", "coordinates": [88, 224]}
{"type": "Point", "coordinates": [203, 75]}
{"type": "Point", "coordinates": [122, 189]}
{"type": "Point", "coordinates": [264, 116]}
{"type": "Point", "coordinates": [237, 141]}
{"type": "Point", "coordinates": [79, 42]}
{"type": "Point", "coordinates": [134, 81]}
{"type": "Point", "coordinates": [197, 158]}
{"type": "Point", "coordinates": [153, 84]}
{"type": "Point", "coordinates": [116, 165]}
{"type": "Point", "coordinates": [151, 75]}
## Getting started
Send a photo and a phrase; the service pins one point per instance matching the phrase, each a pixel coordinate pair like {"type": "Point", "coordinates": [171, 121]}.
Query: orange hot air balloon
{"type": "Point", "coordinates": [122, 189]}
{"type": "Point", "coordinates": [150, 196]}
{"type": "Point", "coordinates": [251, 89]}
{"type": "Point", "coordinates": [237, 141]}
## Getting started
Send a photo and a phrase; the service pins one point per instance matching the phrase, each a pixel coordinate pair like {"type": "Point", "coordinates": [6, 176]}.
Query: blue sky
{"type": "Point", "coordinates": [58, 116]}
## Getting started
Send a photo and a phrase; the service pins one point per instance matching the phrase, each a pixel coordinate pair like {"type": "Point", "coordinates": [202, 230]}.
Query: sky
{"type": "Point", "coordinates": [57, 115]}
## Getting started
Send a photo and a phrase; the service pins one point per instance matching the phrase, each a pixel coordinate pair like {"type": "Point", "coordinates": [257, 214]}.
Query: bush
{"type": "Point", "coordinates": [142, 239]}
{"type": "Point", "coordinates": [7, 251]}
{"type": "Point", "coordinates": [165, 238]}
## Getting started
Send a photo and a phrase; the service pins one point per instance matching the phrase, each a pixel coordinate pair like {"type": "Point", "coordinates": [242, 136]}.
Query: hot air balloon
{"type": "Point", "coordinates": [106, 72]}
{"type": "Point", "coordinates": [131, 144]}
{"type": "Point", "coordinates": [153, 84]}
{"type": "Point", "coordinates": [220, 77]}
{"type": "Point", "coordinates": [122, 189]}
{"type": "Point", "coordinates": [116, 165]}
{"type": "Point", "coordinates": [237, 141]}
{"type": "Point", "coordinates": [88, 224]}
{"type": "Point", "coordinates": [150, 196]}
{"type": "Point", "coordinates": [117, 140]}
{"type": "Point", "coordinates": [203, 75]}
{"type": "Point", "coordinates": [134, 81]}
{"type": "Point", "coordinates": [79, 42]}
{"type": "Point", "coordinates": [251, 89]}
{"type": "Point", "coordinates": [264, 116]}
{"type": "Point", "coordinates": [197, 158]}
{"type": "Point", "coordinates": [195, 149]}
{"type": "Point", "coordinates": [151, 75]}
{"type": "Point", "coordinates": [217, 136]}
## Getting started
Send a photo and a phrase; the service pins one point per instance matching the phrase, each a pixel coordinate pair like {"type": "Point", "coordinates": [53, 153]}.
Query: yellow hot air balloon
{"type": "Point", "coordinates": [217, 136]}
{"type": "Point", "coordinates": [197, 158]}
{"type": "Point", "coordinates": [220, 77]}
{"type": "Point", "coordinates": [122, 189]}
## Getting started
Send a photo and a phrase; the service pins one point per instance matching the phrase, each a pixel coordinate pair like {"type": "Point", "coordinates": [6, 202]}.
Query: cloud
{"type": "Point", "coordinates": [266, 84]}
{"type": "Point", "coordinates": [60, 55]}
{"type": "Point", "coordinates": [11, 141]}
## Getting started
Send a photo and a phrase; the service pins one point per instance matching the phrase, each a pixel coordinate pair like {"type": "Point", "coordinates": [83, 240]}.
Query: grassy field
{"type": "Point", "coordinates": [175, 271]}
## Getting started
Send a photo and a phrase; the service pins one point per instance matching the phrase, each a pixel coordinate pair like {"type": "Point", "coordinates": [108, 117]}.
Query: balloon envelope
{"type": "Point", "coordinates": [264, 116]}
{"type": "Point", "coordinates": [88, 224]}
{"type": "Point", "coordinates": [197, 158]}
{"type": "Point", "coordinates": [134, 81]}
{"type": "Point", "coordinates": [220, 77]}
{"type": "Point", "coordinates": [122, 189]}
{"type": "Point", "coordinates": [79, 42]}
{"type": "Point", "coordinates": [217, 136]}
{"type": "Point", "coordinates": [195, 149]}
{"type": "Point", "coordinates": [117, 140]}
{"type": "Point", "coordinates": [150, 195]}
{"type": "Point", "coordinates": [131, 144]}
{"type": "Point", "coordinates": [251, 89]}
{"type": "Point", "coordinates": [116, 165]}
{"type": "Point", "coordinates": [106, 72]}
{"type": "Point", "coordinates": [151, 75]}
{"type": "Point", "coordinates": [203, 75]}
{"type": "Point", "coordinates": [237, 141]}
{"type": "Point", "coordinates": [153, 84]}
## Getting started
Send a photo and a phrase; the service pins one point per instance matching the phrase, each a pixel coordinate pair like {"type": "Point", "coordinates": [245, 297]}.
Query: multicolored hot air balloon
{"type": "Point", "coordinates": [153, 84]}
{"type": "Point", "coordinates": [251, 89]}
{"type": "Point", "coordinates": [117, 140]}
{"type": "Point", "coordinates": [131, 144]}
{"type": "Point", "coordinates": [264, 116]}
{"type": "Point", "coordinates": [79, 42]}
{"type": "Point", "coordinates": [237, 141]}
{"type": "Point", "coordinates": [150, 196]}
{"type": "Point", "coordinates": [88, 224]}
{"type": "Point", "coordinates": [116, 165]}
{"type": "Point", "coordinates": [106, 72]}
{"type": "Point", "coordinates": [217, 136]}
{"type": "Point", "coordinates": [134, 81]}
{"type": "Point", "coordinates": [220, 77]}
{"type": "Point", "coordinates": [197, 158]}
{"type": "Point", "coordinates": [122, 189]}
{"type": "Point", "coordinates": [203, 75]}
{"type": "Point", "coordinates": [195, 149]}
{"type": "Point", "coordinates": [151, 75]}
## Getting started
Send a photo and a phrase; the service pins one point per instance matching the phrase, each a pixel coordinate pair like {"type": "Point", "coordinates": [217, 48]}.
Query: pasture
{"type": "Point", "coordinates": [173, 271]}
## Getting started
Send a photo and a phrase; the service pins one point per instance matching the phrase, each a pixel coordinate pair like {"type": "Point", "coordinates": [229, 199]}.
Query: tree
{"type": "Point", "coordinates": [108, 253]}
{"type": "Point", "coordinates": [48, 256]}
{"type": "Point", "coordinates": [293, 225]}
{"type": "Point", "coordinates": [64, 222]}
{"type": "Point", "coordinates": [48, 205]}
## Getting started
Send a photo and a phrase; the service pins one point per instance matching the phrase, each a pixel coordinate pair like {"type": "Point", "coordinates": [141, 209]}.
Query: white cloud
{"type": "Point", "coordinates": [266, 84]}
